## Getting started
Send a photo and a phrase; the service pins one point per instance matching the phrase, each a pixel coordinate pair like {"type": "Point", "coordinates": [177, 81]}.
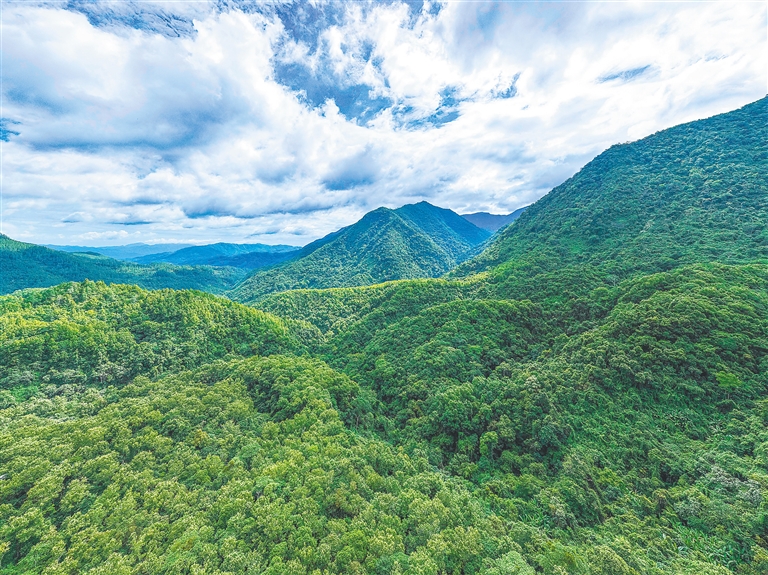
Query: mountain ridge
{"type": "Point", "coordinates": [417, 240]}
{"type": "Point", "coordinates": [26, 265]}
{"type": "Point", "coordinates": [650, 205]}
{"type": "Point", "coordinates": [246, 256]}
{"type": "Point", "coordinates": [493, 222]}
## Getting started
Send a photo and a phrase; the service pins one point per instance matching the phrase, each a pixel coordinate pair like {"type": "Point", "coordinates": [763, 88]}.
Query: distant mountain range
{"type": "Point", "coordinates": [28, 265]}
{"type": "Point", "coordinates": [127, 252]}
{"type": "Point", "coordinates": [492, 222]}
{"type": "Point", "coordinates": [414, 241]}
{"type": "Point", "coordinates": [246, 256]}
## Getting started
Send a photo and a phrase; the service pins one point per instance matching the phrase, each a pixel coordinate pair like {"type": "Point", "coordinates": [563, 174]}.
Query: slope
{"type": "Point", "coordinates": [25, 265]}
{"type": "Point", "coordinates": [384, 245]}
{"type": "Point", "coordinates": [646, 409]}
{"type": "Point", "coordinates": [238, 467]}
{"type": "Point", "coordinates": [470, 437]}
{"type": "Point", "coordinates": [446, 228]}
{"type": "Point", "coordinates": [246, 256]}
{"type": "Point", "coordinates": [696, 192]}
{"type": "Point", "coordinates": [84, 334]}
{"type": "Point", "coordinates": [610, 427]}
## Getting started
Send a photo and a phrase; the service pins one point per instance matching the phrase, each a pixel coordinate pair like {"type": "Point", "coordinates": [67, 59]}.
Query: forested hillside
{"type": "Point", "coordinates": [25, 265]}
{"type": "Point", "coordinates": [695, 192]}
{"type": "Point", "coordinates": [447, 229]}
{"type": "Point", "coordinates": [580, 408]}
{"type": "Point", "coordinates": [414, 241]}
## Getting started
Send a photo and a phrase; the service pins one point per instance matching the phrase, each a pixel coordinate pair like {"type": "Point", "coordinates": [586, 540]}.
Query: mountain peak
{"type": "Point", "coordinates": [414, 241]}
{"type": "Point", "coordinates": [692, 193]}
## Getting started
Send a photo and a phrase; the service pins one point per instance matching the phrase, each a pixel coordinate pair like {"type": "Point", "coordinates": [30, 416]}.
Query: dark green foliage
{"type": "Point", "coordinates": [588, 407]}
{"type": "Point", "coordinates": [694, 193]}
{"type": "Point", "coordinates": [455, 234]}
{"type": "Point", "coordinates": [27, 265]}
{"type": "Point", "coordinates": [338, 311]}
{"type": "Point", "coordinates": [414, 241]}
{"type": "Point", "coordinates": [620, 424]}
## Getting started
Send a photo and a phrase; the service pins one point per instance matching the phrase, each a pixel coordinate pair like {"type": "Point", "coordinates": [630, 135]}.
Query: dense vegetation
{"type": "Point", "coordinates": [607, 417]}
{"type": "Point", "coordinates": [28, 265]}
{"type": "Point", "coordinates": [81, 334]}
{"type": "Point", "coordinates": [414, 241]}
{"type": "Point", "coordinates": [695, 192]}
{"type": "Point", "coordinates": [246, 256]}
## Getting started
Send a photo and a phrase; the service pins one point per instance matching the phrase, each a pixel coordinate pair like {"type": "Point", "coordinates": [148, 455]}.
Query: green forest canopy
{"type": "Point", "coordinates": [608, 416]}
{"type": "Point", "coordinates": [414, 241]}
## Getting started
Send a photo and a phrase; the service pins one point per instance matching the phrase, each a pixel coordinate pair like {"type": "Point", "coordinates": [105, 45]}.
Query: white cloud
{"type": "Point", "coordinates": [132, 133]}
{"type": "Point", "coordinates": [101, 236]}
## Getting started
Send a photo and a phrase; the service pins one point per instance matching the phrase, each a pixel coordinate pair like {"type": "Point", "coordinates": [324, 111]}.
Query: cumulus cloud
{"type": "Point", "coordinates": [283, 121]}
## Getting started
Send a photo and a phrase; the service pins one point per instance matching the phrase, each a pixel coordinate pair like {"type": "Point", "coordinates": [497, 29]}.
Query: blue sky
{"type": "Point", "coordinates": [279, 122]}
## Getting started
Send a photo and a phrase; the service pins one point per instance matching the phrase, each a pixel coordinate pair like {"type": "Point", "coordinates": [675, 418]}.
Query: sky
{"type": "Point", "coordinates": [279, 122]}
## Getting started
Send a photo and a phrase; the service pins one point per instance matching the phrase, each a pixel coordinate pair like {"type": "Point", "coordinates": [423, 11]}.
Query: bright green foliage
{"type": "Point", "coordinates": [236, 468]}
{"type": "Point", "coordinates": [588, 407]}
{"type": "Point", "coordinates": [614, 450]}
{"type": "Point", "coordinates": [27, 265]}
{"type": "Point", "coordinates": [83, 334]}
{"type": "Point", "coordinates": [338, 311]}
{"type": "Point", "coordinates": [415, 241]}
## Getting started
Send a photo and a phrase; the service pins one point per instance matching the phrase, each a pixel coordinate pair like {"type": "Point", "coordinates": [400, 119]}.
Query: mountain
{"type": "Point", "coordinates": [127, 252]}
{"type": "Point", "coordinates": [27, 265]}
{"type": "Point", "coordinates": [584, 407]}
{"type": "Point", "coordinates": [492, 222]}
{"type": "Point", "coordinates": [246, 256]}
{"type": "Point", "coordinates": [448, 229]}
{"type": "Point", "coordinates": [694, 193]}
{"type": "Point", "coordinates": [418, 240]}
